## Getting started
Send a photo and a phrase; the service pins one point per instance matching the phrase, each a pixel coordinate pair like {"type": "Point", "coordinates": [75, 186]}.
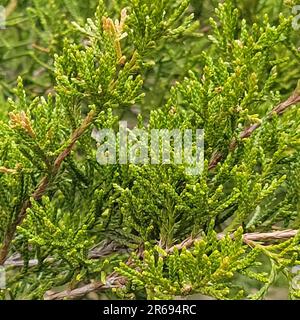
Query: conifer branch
{"type": "Point", "coordinates": [42, 187]}
{"type": "Point", "coordinates": [114, 281]}
{"type": "Point", "coordinates": [65, 217]}
{"type": "Point", "coordinates": [187, 243]}
{"type": "Point", "coordinates": [278, 110]}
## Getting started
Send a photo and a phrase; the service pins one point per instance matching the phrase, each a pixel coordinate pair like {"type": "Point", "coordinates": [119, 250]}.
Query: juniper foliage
{"type": "Point", "coordinates": [149, 231]}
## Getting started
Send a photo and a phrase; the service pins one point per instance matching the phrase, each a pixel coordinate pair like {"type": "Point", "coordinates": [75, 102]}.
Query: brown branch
{"type": "Point", "coordinates": [114, 281]}
{"type": "Point", "coordinates": [42, 187]}
{"type": "Point", "coordinates": [270, 236]}
{"type": "Point", "coordinates": [278, 110]}
{"type": "Point", "coordinates": [105, 249]}
{"type": "Point", "coordinates": [247, 237]}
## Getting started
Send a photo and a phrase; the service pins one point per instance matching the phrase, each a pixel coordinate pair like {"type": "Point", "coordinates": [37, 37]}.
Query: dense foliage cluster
{"type": "Point", "coordinates": [70, 227]}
